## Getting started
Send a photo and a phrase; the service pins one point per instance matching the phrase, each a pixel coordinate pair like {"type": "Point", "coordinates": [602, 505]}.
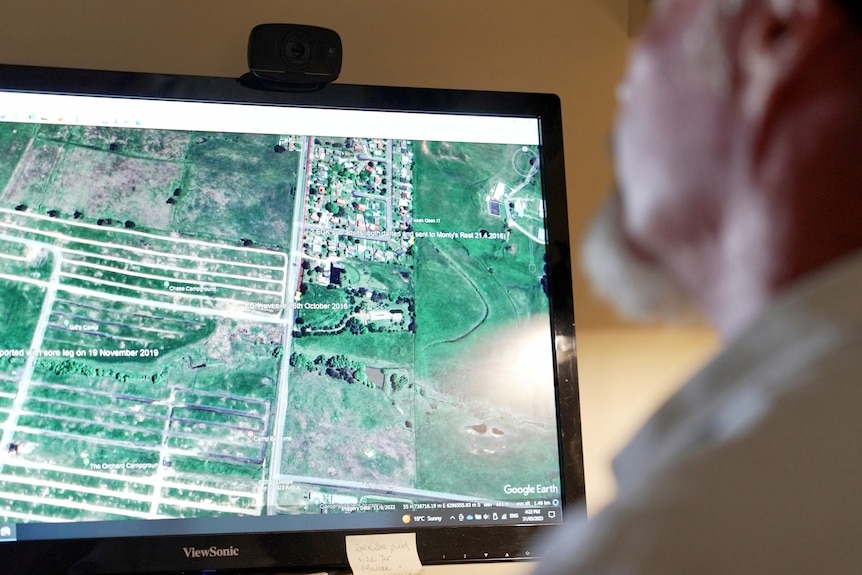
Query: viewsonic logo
{"type": "Point", "coordinates": [195, 553]}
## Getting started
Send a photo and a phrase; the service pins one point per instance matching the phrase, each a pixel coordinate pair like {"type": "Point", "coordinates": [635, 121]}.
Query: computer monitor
{"type": "Point", "coordinates": [240, 326]}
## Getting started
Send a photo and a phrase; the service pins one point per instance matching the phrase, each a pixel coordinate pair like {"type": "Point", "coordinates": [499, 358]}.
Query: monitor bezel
{"type": "Point", "coordinates": [325, 550]}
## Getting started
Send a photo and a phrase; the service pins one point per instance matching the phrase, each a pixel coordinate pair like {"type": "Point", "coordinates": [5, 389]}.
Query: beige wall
{"type": "Point", "coordinates": [575, 48]}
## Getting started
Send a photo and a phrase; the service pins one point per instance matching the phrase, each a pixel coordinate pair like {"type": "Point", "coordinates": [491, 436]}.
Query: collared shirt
{"type": "Point", "coordinates": [755, 466]}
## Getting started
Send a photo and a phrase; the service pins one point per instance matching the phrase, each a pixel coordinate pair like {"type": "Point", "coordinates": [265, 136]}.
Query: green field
{"type": "Point", "coordinates": [14, 139]}
{"type": "Point", "coordinates": [236, 187]}
{"type": "Point", "coordinates": [349, 431]}
{"type": "Point", "coordinates": [474, 297]}
{"type": "Point", "coordinates": [20, 305]}
{"type": "Point", "coordinates": [469, 288]}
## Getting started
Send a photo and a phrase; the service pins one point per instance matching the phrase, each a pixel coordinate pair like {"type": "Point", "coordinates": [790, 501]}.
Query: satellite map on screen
{"type": "Point", "coordinates": [200, 324]}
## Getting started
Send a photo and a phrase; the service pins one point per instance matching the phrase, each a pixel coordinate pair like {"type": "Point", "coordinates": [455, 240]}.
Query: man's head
{"type": "Point", "coordinates": [738, 147]}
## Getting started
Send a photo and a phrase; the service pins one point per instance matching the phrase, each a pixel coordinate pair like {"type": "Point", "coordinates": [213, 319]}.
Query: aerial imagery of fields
{"type": "Point", "coordinates": [204, 324]}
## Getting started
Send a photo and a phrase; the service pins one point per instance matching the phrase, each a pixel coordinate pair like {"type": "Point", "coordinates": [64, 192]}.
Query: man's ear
{"type": "Point", "coordinates": [772, 44]}
{"type": "Point", "coordinates": [779, 56]}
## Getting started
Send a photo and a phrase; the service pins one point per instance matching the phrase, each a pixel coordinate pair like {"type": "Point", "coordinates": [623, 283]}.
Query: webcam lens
{"type": "Point", "coordinates": [297, 50]}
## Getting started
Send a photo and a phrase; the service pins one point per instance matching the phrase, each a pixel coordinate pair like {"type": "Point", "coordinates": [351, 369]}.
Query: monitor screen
{"type": "Point", "coordinates": [239, 326]}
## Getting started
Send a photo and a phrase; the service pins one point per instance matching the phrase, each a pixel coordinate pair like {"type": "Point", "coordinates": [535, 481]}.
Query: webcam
{"type": "Point", "coordinates": [292, 57]}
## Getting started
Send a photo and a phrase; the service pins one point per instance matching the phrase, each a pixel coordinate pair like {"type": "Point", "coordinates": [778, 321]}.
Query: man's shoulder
{"type": "Point", "coordinates": [808, 340]}
{"type": "Point", "coordinates": [774, 492]}
{"type": "Point", "coordinates": [753, 467]}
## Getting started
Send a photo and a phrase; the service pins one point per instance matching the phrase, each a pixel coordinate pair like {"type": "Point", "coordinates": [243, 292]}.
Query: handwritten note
{"type": "Point", "coordinates": [387, 554]}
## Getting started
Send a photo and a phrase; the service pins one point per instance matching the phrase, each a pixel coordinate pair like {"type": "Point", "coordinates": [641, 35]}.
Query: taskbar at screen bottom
{"type": "Point", "coordinates": [419, 516]}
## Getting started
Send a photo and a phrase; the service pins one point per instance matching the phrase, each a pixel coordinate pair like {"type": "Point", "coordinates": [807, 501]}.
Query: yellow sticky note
{"type": "Point", "coordinates": [384, 554]}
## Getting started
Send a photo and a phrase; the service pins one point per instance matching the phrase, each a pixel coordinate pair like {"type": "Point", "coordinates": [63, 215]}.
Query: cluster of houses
{"type": "Point", "coordinates": [360, 200]}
